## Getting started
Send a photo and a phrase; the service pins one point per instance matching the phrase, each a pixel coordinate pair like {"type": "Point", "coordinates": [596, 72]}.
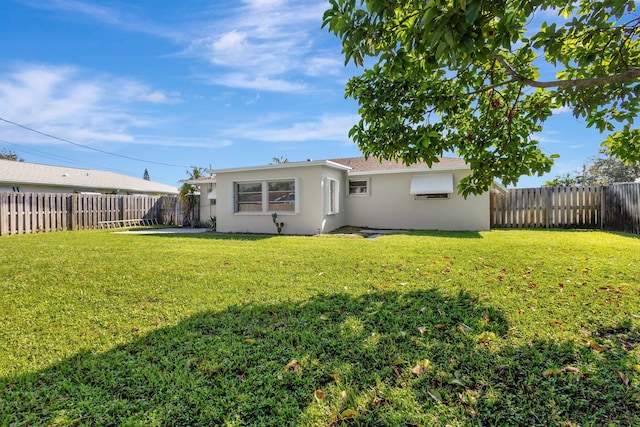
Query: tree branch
{"type": "Point", "coordinates": [631, 74]}
{"type": "Point", "coordinates": [493, 86]}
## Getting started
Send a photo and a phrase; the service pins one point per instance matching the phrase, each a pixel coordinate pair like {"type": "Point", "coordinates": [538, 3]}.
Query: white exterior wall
{"type": "Point", "coordinates": [308, 220]}
{"type": "Point", "coordinates": [207, 206]}
{"type": "Point", "coordinates": [390, 205]}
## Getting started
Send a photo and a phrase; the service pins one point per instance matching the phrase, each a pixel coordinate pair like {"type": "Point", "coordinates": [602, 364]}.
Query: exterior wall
{"type": "Point", "coordinates": [208, 207]}
{"type": "Point", "coordinates": [390, 205]}
{"type": "Point", "coordinates": [310, 217]}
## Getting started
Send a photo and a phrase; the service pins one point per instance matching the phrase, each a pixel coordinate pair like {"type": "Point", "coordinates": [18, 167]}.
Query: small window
{"type": "Point", "coordinates": [282, 196]}
{"type": "Point", "coordinates": [358, 187]}
{"type": "Point", "coordinates": [249, 197]}
{"type": "Point", "coordinates": [431, 196]}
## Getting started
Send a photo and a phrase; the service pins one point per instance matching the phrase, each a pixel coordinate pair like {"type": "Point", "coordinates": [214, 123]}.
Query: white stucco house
{"type": "Point", "coordinates": [25, 177]}
{"type": "Point", "coordinates": [318, 196]}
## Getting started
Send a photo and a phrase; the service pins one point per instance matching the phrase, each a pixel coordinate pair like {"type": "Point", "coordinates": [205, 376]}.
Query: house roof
{"type": "Point", "coordinates": [24, 173]}
{"type": "Point", "coordinates": [373, 165]}
{"type": "Point", "coordinates": [285, 165]}
{"type": "Point", "coordinates": [355, 166]}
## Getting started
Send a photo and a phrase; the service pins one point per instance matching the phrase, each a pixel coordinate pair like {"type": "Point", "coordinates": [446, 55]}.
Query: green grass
{"type": "Point", "coordinates": [499, 328]}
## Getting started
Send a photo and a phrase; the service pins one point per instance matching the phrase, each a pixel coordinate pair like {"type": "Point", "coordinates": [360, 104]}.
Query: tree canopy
{"type": "Point", "coordinates": [598, 170]}
{"type": "Point", "coordinates": [10, 155]}
{"type": "Point", "coordinates": [463, 76]}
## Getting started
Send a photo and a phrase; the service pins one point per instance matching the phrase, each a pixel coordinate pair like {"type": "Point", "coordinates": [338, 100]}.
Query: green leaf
{"type": "Point", "coordinates": [349, 414]}
{"type": "Point", "coordinates": [472, 11]}
{"type": "Point", "coordinates": [435, 395]}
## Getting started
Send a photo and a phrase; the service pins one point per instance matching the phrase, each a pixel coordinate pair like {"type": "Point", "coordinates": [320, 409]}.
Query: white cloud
{"type": "Point", "coordinates": [327, 127]}
{"type": "Point", "coordinates": [266, 41]}
{"type": "Point", "coordinates": [127, 21]}
{"type": "Point", "coordinates": [261, 4]}
{"type": "Point", "coordinates": [561, 110]}
{"type": "Point", "coordinates": [323, 66]}
{"type": "Point", "coordinates": [257, 82]}
{"type": "Point", "coordinates": [64, 102]}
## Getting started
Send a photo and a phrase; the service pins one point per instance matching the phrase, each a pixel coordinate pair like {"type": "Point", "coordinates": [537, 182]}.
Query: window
{"type": "Point", "coordinates": [332, 196]}
{"type": "Point", "coordinates": [266, 196]}
{"type": "Point", "coordinates": [358, 187]}
{"type": "Point", "coordinates": [249, 197]}
{"type": "Point", "coordinates": [282, 196]}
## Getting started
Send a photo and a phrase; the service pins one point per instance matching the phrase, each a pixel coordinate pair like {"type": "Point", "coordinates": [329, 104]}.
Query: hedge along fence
{"type": "Point", "coordinates": [613, 207]}
{"type": "Point", "coordinates": [23, 213]}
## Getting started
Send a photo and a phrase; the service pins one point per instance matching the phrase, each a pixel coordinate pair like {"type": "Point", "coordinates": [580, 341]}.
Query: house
{"type": "Point", "coordinates": [319, 196]}
{"type": "Point", "coordinates": [37, 178]}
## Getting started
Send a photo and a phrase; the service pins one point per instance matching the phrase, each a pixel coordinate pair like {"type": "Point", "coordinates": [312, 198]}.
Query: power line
{"type": "Point", "coordinates": [87, 147]}
{"type": "Point", "coordinates": [59, 158]}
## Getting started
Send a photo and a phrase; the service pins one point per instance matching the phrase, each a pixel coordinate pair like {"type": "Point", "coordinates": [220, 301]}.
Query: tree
{"type": "Point", "coordinates": [463, 76]}
{"type": "Point", "coordinates": [10, 155]}
{"type": "Point", "coordinates": [279, 160]}
{"type": "Point", "coordinates": [189, 193]}
{"type": "Point", "coordinates": [566, 180]}
{"type": "Point", "coordinates": [602, 169]}
{"type": "Point", "coordinates": [146, 175]}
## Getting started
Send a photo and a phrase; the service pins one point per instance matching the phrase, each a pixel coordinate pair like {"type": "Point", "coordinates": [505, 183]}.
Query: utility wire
{"type": "Point", "coordinates": [59, 158]}
{"type": "Point", "coordinates": [87, 147]}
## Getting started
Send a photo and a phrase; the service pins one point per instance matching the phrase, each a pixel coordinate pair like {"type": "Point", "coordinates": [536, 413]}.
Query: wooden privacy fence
{"type": "Point", "coordinates": [23, 213]}
{"type": "Point", "coordinates": [613, 207]}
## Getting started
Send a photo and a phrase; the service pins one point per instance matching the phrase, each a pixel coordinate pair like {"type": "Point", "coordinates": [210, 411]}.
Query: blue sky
{"type": "Point", "coordinates": [174, 84]}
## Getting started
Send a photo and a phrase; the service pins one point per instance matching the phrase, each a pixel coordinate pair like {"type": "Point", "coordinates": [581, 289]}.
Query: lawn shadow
{"type": "Point", "coordinates": [211, 236]}
{"type": "Point", "coordinates": [447, 234]}
{"type": "Point", "coordinates": [384, 358]}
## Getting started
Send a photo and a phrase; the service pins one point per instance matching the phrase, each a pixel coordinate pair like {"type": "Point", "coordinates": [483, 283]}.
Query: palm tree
{"type": "Point", "coordinates": [188, 193]}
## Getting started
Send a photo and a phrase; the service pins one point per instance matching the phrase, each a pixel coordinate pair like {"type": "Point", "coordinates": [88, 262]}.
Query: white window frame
{"type": "Point", "coordinates": [236, 201]}
{"type": "Point", "coordinates": [367, 186]}
{"type": "Point", "coordinates": [269, 202]}
{"type": "Point", "coordinates": [265, 197]}
{"type": "Point", "coordinates": [332, 196]}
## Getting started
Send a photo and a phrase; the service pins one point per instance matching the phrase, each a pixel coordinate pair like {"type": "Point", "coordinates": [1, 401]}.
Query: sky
{"type": "Point", "coordinates": [167, 85]}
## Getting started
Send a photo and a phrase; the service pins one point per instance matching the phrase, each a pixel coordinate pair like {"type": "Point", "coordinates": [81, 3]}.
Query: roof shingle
{"type": "Point", "coordinates": [24, 173]}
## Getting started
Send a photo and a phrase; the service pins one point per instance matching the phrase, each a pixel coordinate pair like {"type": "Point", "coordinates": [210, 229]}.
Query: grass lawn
{"type": "Point", "coordinates": [499, 328]}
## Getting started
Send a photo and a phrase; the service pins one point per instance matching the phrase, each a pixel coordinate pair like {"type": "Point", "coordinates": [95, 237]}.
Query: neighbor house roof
{"type": "Point", "coordinates": [34, 174]}
{"type": "Point", "coordinates": [373, 165]}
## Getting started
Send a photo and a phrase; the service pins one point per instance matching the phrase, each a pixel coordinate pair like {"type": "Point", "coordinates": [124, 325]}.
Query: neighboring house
{"type": "Point", "coordinates": [319, 196]}
{"type": "Point", "coordinates": [208, 196]}
{"type": "Point", "coordinates": [36, 178]}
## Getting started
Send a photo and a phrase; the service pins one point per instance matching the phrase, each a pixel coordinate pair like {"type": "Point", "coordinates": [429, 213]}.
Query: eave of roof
{"type": "Point", "coordinates": [371, 166]}
{"type": "Point", "coordinates": [285, 165]}
{"type": "Point", "coordinates": [196, 181]}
